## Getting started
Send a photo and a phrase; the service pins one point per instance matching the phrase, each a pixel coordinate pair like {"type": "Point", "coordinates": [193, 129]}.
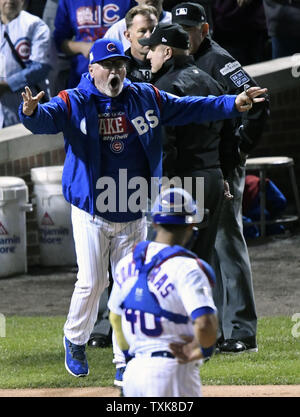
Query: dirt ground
{"type": "Point", "coordinates": [208, 391]}
{"type": "Point", "coordinates": [276, 280]}
{"type": "Point", "coordinates": [275, 267]}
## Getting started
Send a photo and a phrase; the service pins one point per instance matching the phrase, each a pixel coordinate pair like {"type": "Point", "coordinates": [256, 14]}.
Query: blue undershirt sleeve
{"type": "Point", "coordinates": [201, 311]}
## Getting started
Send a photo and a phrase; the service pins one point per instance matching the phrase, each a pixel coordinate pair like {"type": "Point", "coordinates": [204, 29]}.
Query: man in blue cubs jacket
{"type": "Point", "coordinates": [112, 132]}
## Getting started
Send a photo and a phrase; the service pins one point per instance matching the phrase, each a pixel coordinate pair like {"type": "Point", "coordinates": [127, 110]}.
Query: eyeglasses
{"type": "Point", "coordinates": [109, 65]}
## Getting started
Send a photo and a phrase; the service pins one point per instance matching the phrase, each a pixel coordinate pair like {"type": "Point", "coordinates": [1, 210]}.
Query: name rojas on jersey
{"type": "Point", "coordinates": [160, 283]}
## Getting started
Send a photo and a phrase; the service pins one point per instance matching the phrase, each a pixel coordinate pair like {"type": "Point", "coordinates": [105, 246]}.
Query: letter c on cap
{"type": "Point", "coordinates": [111, 47]}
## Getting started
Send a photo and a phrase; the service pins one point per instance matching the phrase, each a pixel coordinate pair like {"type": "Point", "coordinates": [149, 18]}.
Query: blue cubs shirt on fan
{"type": "Point", "coordinates": [86, 20]}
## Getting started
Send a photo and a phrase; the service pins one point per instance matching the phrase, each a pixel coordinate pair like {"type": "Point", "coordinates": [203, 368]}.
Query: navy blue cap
{"type": "Point", "coordinates": [105, 49]}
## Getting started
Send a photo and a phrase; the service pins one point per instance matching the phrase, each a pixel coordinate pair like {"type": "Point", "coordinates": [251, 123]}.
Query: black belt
{"type": "Point", "coordinates": [163, 354]}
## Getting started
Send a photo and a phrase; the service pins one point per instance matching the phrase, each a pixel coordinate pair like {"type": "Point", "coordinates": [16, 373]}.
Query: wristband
{"type": "Point", "coordinates": [207, 352]}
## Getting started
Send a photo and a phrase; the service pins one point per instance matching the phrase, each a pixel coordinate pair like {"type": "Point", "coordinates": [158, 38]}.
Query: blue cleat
{"type": "Point", "coordinates": [118, 382]}
{"type": "Point", "coordinates": [75, 359]}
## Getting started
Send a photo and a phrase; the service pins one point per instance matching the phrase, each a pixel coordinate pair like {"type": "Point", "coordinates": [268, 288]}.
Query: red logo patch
{"type": "Point", "coordinates": [23, 49]}
{"type": "Point", "coordinates": [117, 146]}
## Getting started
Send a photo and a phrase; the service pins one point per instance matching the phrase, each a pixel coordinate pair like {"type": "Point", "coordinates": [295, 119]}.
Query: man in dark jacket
{"type": "Point", "coordinates": [233, 293]}
{"type": "Point", "coordinates": [190, 150]}
{"type": "Point", "coordinates": [140, 22]}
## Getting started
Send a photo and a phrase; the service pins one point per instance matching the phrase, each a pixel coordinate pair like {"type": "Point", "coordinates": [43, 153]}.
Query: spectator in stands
{"type": "Point", "coordinates": [117, 30]}
{"type": "Point", "coordinates": [240, 28]}
{"type": "Point", "coordinates": [24, 57]}
{"type": "Point", "coordinates": [59, 75]}
{"type": "Point", "coordinates": [283, 23]}
{"type": "Point", "coordinates": [140, 22]}
{"type": "Point", "coordinates": [78, 24]}
{"type": "Point", "coordinates": [49, 13]}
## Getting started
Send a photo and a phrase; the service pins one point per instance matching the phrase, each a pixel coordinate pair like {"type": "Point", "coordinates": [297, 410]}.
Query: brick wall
{"type": "Point", "coordinates": [21, 168]}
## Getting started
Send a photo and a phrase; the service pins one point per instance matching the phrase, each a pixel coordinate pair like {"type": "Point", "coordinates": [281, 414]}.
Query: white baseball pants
{"type": "Point", "coordinates": [97, 242]}
{"type": "Point", "coordinates": [161, 377]}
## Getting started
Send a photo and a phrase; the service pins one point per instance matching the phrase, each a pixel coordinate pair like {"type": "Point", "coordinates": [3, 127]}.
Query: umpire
{"type": "Point", "coordinates": [233, 293]}
{"type": "Point", "coordinates": [190, 150]}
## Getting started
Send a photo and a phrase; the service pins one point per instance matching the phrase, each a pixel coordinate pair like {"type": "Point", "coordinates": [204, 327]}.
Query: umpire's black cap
{"type": "Point", "coordinates": [167, 34]}
{"type": "Point", "coordinates": [188, 14]}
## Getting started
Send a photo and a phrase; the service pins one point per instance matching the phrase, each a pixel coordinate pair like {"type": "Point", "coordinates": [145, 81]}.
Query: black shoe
{"type": "Point", "coordinates": [100, 341]}
{"type": "Point", "coordinates": [218, 345]}
{"type": "Point", "coordinates": [238, 346]}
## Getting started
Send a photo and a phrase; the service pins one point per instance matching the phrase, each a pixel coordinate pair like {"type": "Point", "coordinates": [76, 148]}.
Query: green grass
{"type": "Point", "coordinates": [277, 361]}
{"type": "Point", "coordinates": [32, 355]}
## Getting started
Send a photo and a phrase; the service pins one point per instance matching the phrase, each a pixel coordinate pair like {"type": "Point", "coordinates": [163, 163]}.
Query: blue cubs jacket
{"type": "Point", "coordinates": [75, 113]}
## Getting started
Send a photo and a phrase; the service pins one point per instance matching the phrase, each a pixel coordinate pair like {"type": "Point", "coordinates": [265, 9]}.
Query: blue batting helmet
{"type": "Point", "coordinates": [175, 206]}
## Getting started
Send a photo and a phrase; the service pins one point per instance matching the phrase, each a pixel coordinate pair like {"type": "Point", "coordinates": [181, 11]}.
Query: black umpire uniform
{"type": "Point", "coordinates": [138, 71]}
{"type": "Point", "coordinates": [233, 293]}
{"type": "Point", "coordinates": [218, 63]}
{"type": "Point", "coordinates": [191, 150]}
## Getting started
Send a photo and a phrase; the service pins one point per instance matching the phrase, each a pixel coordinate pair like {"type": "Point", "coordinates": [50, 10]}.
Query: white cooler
{"type": "Point", "coordinates": [54, 218]}
{"type": "Point", "coordinates": [13, 207]}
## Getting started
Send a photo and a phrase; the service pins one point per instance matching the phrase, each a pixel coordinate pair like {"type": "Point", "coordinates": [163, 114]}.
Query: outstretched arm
{"type": "Point", "coordinates": [30, 103]}
{"type": "Point", "coordinates": [245, 100]}
{"type": "Point", "coordinates": [49, 118]}
{"type": "Point", "coordinates": [178, 111]}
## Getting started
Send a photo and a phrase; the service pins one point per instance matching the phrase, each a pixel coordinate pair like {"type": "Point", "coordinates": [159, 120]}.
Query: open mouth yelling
{"type": "Point", "coordinates": [114, 82]}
